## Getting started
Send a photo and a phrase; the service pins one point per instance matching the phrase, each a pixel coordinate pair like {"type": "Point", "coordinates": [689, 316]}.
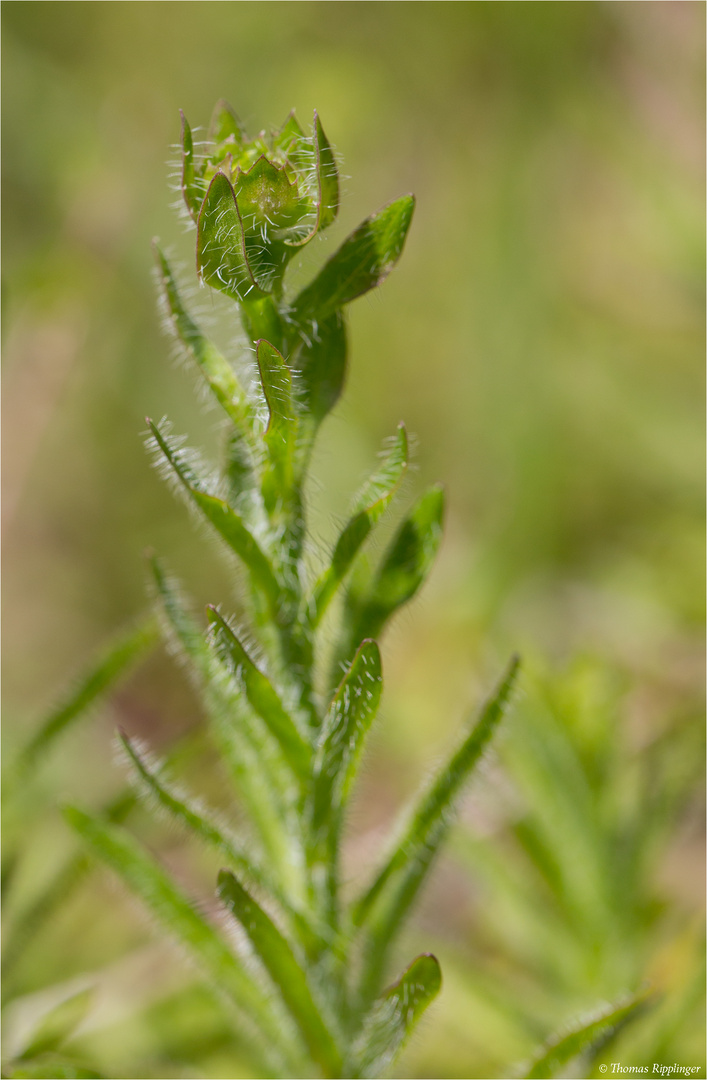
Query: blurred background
{"type": "Point", "coordinates": [543, 337]}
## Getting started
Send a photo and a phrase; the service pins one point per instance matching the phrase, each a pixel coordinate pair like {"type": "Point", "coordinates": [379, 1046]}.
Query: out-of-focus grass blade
{"type": "Point", "coordinates": [119, 850]}
{"type": "Point", "coordinates": [219, 374]}
{"type": "Point", "coordinates": [405, 566]}
{"type": "Point", "coordinates": [362, 262]}
{"type": "Point", "coordinates": [262, 696]}
{"type": "Point", "coordinates": [582, 1036]}
{"type": "Point", "coordinates": [98, 681]}
{"type": "Point", "coordinates": [394, 1016]}
{"type": "Point", "coordinates": [223, 517]}
{"type": "Point", "coordinates": [383, 907]}
{"type": "Point", "coordinates": [283, 968]}
{"type": "Point", "coordinates": [221, 257]}
{"type": "Point", "coordinates": [56, 1026]}
{"type": "Point", "coordinates": [281, 433]}
{"type": "Point", "coordinates": [367, 508]}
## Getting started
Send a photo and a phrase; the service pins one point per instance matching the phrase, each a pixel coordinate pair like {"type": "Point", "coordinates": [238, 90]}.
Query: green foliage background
{"type": "Point", "coordinates": [543, 337]}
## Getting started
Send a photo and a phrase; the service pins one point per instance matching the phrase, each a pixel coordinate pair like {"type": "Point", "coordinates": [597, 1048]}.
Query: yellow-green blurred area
{"type": "Point", "coordinates": [542, 336]}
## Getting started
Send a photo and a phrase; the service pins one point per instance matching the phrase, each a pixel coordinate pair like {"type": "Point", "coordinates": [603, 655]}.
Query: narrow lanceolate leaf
{"type": "Point", "coordinates": [350, 715]}
{"type": "Point", "coordinates": [255, 759]}
{"type": "Point", "coordinates": [222, 516]}
{"type": "Point", "coordinates": [262, 696]}
{"type": "Point", "coordinates": [98, 681]}
{"type": "Point", "coordinates": [143, 876]}
{"type": "Point", "coordinates": [192, 189]}
{"type": "Point", "coordinates": [218, 372]}
{"type": "Point", "coordinates": [281, 433]}
{"type": "Point", "coordinates": [368, 506]}
{"type": "Point", "coordinates": [221, 257]}
{"type": "Point", "coordinates": [381, 910]}
{"type": "Point", "coordinates": [284, 970]}
{"type": "Point", "coordinates": [393, 1017]}
{"type": "Point", "coordinates": [405, 566]}
{"type": "Point", "coordinates": [584, 1036]}
{"type": "Point", "coordinates": [327, 177]}
{"type": "Point", "coordinates": [363, 261]}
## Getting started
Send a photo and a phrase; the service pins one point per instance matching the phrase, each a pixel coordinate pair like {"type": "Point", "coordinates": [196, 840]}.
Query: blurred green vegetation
{"type": "Point", "coordinates": [544, 338]}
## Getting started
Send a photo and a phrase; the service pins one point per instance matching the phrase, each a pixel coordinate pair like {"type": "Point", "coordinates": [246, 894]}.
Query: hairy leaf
{"type": "Point", "coordinates": [281, 432]}
{"type": "Point", "coordinates": [319, 357]}
{"type": "Point", "coordinates": [221, 255]}
{"type": "Point", "coordinates": [362, 262]}
{"type": "Point", "coordinates": [117, 848]}
{"type": "Point", "coordinates": [582, 1036]}
{"type": "Point", "coordinates": [192, 188]}
{"type": "Point", "coordinates": [223, 517]}
{"type": "Point", "coordinates": [383, 907]}
{"type": "Point", "coordinates": [283, 968]}
{"type": "Point", "coordinates": [262, 696]}
{"type": "Point", "coordinates": [218, 372]}
{"type": "Point", "coordinates": [405, 566]}
{"type": "Point", "coordinates": [393, 1017]}
{"type": "Point", "coordinates": [368, 506]}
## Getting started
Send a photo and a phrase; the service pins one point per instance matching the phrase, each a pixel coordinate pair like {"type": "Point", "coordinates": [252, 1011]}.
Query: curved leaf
{"type": "Point", "coordinates": [223, 517]}
{"type": "Point", "coordinates": [283, 968]}
{"type": "Point", "coordinates": [362, 262]}
{"type": "Point", "coordinates": [368, 506]}
{"type": "Point", "coordinates": [584, 1035]}
{"type": "Point", "coordinates": [262, 696]}
{"type": "Point", "coordinates": [192, 189]}
{"type": "Point", "coordinates": [119, 850]}
{"type": "Point", "coordinates": [393, 1017]}
{"type": "Point", "coordinates": [219, 374]}
{"type": "Point", "coordinates": [381, 911]}
{"type": "Point", "coordinates": [221, 257]}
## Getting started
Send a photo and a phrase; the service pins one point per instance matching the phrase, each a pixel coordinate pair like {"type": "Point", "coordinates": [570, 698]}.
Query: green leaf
{"type": "Point", "coordinates": [273, 215]}
{"type": "Point", "coordinates": [192, 189]}
{"type": "Point", "coordinates": [283, 968]}
{"type": "Point", "coordinates": [255, 759]}
{"type": "Point", "coordinates": [347, 722]}
{"type": "Point", "coordinates": [393, 1017]}
{"type": "Point", "coordinates": [327, 177]}
{"type": "Point", "coordinates": [143, 876]}
{"type": "Point", "coordinates": [221, 257]}
{"type": "Point", "coordinates": [584, 1035]}
{"type": "Point", "coordinates": [281, 432]}
{"type": "Point", "coordinates": [262, 696]}
{"type": "Point", "coordinates": [362, 262]}
{"type": "Point", "coordinates": [219, 374]}
{"type": "Point", "coordinates": [368, 506]}
{"type": "Point", "coordinates": [57, 1025]}
{"type": "Point", "coordinates": [319, 357]}
{"type": "Point", "coordinates": [382, 909]}
{"type": "Point", "coordinates": [115, 662]}
{"type": "Point", "coordinates": [405, 566]}
{"type": "Point", "coordinates": [223, 517]}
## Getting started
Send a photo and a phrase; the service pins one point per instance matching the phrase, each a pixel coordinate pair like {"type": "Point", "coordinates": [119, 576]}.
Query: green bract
{"type": "Point", "coordinates": [255, 201]}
